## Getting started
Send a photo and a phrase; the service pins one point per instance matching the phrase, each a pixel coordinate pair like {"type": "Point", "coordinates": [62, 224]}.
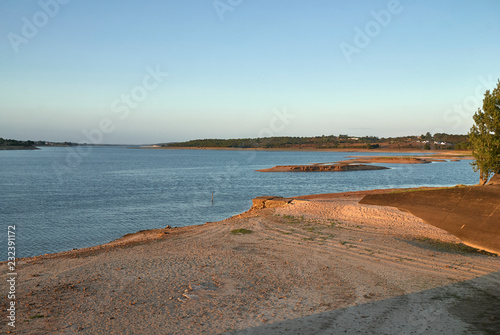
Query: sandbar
{"type": "Point", "coordinates": [322, 168]}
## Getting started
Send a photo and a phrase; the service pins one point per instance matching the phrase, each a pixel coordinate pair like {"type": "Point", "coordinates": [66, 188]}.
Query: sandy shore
{"type": "Point", "coordinates": [322, 168]}
{"type": "Point", "coordinates": [318, 265]}
{"type": "Point", "coordinates": [357, 163]}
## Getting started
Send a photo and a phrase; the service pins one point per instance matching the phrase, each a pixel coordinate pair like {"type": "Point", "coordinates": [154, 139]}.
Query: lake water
{"type": "Point", "coordinates": [60, 199]}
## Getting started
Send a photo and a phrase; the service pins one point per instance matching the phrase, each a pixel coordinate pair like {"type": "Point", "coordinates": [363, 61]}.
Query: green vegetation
{"type": "Point", "coordinates": [275, 142]}
{"type": "Point", "coordinates": [333, 223]}
{"type": "Point", "coordinates": [330, 142]}
{"type": "Point", "coordinates": [241, 231]}
{"type": "Point", "coordinates": [291, 218]}
{"type": "Point", "coordinates": [465, 145]}
{"type": "Point", "coordinates": [37, 316]}
{"type": "Point", "coordinates": [451, 246]}
{"type": "Point", "coordinates": [16, 143]}
{"type": "Point", "coordinates": [484, 136]}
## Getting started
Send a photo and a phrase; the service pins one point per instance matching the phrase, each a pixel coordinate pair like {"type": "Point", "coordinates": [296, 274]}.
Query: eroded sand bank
{"type": "Point", "coordinates": [321, 265]}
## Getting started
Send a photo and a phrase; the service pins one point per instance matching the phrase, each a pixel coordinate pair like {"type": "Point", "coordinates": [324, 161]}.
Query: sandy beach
{"type": "Point", "coordinates": [319, 265]}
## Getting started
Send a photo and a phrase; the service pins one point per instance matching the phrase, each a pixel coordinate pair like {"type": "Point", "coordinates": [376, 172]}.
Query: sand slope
{"type": "Point", "coordinates": [470, 213]}
{"type": "Point", "coordinates": [325, 265]}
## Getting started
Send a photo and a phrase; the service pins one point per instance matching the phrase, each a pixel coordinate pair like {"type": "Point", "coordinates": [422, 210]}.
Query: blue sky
{"type": "Point", "coordinates": [234, 65]}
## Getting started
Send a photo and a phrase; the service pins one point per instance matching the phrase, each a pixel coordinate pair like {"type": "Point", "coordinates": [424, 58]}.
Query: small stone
{"type": "Point", "coordinates": [190, 296]}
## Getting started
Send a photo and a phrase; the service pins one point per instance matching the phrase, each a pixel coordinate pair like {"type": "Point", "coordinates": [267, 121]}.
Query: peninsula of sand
{"type": "Point", "coordinates": [322, 168]}
{"type": "Point", "coordinates": [353, 164]}
{"type": "Point", "coordinates": [307, 265]}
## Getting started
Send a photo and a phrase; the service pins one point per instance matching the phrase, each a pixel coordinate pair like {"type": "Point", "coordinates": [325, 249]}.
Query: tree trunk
{"type": "Point", "coordinates": [483, 178]}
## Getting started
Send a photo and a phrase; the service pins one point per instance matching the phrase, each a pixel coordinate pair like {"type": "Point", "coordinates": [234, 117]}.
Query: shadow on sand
{"type": "Point", "coordinates": [469, 307]}
{"type": "Point", "coordinates": [470, 213]}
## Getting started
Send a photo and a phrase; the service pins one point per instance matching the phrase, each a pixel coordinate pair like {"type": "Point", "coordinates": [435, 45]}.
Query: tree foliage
{"type": "Point", "coordinates": [15, 143]}
{"type": "Point", "coordinates": [484, 136]}
{"type": "Point", "coordinates": [316, 142]}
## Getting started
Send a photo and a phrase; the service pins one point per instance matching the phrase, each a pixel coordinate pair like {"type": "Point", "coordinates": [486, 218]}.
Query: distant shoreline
{"type": "Point", "coordinates": [403, 150]}
{"type": "Point", "coordinates": [19, 148]}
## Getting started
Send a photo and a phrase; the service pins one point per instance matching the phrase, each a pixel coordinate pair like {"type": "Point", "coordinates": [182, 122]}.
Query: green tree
{"type": "Point", "coordinates": [484, 136]}
{"type": "Point", "coordinates": [464, 145]}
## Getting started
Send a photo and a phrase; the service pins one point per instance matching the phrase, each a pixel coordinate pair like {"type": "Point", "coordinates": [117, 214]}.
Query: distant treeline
{"type": "Point", "coordinates": [331, 142]}
{"type": "Point", "coordinates": [15, 143]}
{"type": "Point", "coordinates": [55, 144]}
{"type": "Point", "coordinates": [274, 142]}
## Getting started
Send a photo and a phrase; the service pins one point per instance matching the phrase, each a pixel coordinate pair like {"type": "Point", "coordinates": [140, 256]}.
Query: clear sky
{"type": "Point", "coordinates": [74, 70]}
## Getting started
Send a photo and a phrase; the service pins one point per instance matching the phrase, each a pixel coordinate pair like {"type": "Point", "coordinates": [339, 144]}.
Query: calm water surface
{"type": "Point", "coordinates": [60, 201]}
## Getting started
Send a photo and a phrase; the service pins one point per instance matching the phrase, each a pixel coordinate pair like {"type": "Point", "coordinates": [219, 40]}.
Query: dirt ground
{"type": "Point", "coordinates": [472, 213]}
{"type": "Point", "coordinates": [322, 265]}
